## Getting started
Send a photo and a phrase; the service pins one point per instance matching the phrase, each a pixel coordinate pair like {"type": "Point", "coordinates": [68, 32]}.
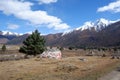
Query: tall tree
{"type": "Point", "coordinates": [34, 44]}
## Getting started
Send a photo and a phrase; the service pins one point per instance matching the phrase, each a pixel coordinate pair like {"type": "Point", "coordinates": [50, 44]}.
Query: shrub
{"type": "Point", "coordinates": [70, 48]}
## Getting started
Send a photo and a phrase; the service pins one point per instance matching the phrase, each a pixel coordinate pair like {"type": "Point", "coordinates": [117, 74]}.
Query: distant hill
{"type": "Point", "coordinates": [5, 38]}
{"type": "Point", "coordinates": [18, 40]}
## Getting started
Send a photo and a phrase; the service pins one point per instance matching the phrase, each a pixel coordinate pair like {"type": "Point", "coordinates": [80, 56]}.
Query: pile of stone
{"type": "Point", "coordinates": [52, 53]}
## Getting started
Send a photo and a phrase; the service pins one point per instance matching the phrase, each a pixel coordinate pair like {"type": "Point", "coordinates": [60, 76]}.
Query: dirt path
{"type": "Point", "coordinates": [114, 75]}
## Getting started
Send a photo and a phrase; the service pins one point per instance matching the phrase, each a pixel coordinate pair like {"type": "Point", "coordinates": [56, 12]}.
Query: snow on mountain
{"type": "Point", "coordinates": [97, 25]}
{"type": "Point", "coordinates": [87, 25]}
{"type": "Point", "coordinates": [101, 24]}
{"type": "Point", "coordinates": [10, 33]}
{"type": "Point", "coordinates": [66, 32]}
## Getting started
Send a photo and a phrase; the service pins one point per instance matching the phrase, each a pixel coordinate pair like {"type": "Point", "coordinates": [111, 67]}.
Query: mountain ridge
{"type": "Point", "coordinates": [107, 35]}
{"type": "Point", "coordinates": [96, 25]}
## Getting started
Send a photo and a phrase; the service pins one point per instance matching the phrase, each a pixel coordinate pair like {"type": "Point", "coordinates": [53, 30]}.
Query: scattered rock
{"type": "Point", "coordinates": [118, 68]}
{"type": "Point", "coordinates": [66, 68]}
{"type": "Point", "coordinates": [82, 59]}
{"type": "Point", "coordinates": [113, 57]}
{"type": "Point", "coordinates": [38, 59]}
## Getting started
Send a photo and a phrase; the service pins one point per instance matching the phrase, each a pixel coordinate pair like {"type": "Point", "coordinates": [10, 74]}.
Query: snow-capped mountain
{"type": "Point", "coordinates": [87, 25]}
{"type": "Point", "coordinates": [67, 32]}
{"type": "Point", "coordinates": [9, 33]}
{"type": "Point", "coordinates": [107, 34]}
{"type": "Point", "coordinates": [106, 37]}
{"type": "Point", "coordinates": [97, 25]}
{"type": "Point", "coordinates": [102, 23]}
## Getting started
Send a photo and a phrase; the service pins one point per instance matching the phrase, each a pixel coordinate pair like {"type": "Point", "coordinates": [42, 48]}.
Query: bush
{"type": "Point", "coordinates": [103, 55]}
{"type": "Point", "coordinates": [71, 48]}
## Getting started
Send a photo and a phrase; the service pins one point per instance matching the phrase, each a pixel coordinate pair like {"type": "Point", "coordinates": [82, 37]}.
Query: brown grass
{"type": "Point", "coordinates": [70, 68]}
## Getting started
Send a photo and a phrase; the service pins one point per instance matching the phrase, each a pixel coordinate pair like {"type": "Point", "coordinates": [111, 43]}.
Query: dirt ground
{"type": "Point", "coordinates": [69, 68]}
{"type": "Point", "coordinates": [114, 75]}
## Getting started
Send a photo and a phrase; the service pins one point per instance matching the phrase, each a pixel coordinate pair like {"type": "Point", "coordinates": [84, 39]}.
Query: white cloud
{"type": "Point", "coordinates": [46, 1]}
{"type": "Point", "coordinates": [58, 26]}
{"type": "Point", "coordinates": [22, 10]}
{"type": "Point", "coordinates": [13, 26]}
{"type": "Point", "coordinates": [114, 7]}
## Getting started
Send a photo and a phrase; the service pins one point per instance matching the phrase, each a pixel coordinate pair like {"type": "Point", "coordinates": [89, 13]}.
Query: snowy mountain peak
{"type": "Point", "coordinates": [97, 25]}
{"type": "Point", "coordinates": [103, 21]}
{"type": "Point", "coordinates": [9, 33]}
{"type": "Point", "coordinates": [87, 25]}
{"type": "Point", "coordinates": [66, 32]}
{"type": "Point", "coordinates": [101, 24]}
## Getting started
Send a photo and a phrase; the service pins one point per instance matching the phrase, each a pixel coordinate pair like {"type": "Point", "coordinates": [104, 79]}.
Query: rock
{"type": "Point", "coordinates": [82, 59]}
{"type": "Point", "coordinates": [66, 68]}
{"type": "Point", "coordinates": [52, 53]}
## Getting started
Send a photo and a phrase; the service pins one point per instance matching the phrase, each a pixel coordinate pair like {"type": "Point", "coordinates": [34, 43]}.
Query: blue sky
{"type": "Point", "coordinates": [53, 16]}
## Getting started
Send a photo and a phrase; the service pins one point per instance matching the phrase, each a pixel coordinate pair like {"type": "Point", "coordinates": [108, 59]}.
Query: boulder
{"type": "Point", "coordinates": [52, 53]}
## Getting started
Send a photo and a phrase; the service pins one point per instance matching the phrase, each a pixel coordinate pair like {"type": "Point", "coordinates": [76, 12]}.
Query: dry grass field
{"type": "Point", "coordinates": [11, 47]}
{"type": "Point", "coordinates": [69, 68]}
{"type": "Point", "coordinates": [73, 66]}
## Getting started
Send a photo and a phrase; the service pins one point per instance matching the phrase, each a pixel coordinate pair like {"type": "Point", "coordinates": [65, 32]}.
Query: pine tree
{"type": "Point", "coordinates": [4, 48]}
{"type": "Point", "coordinates": [34, 44]}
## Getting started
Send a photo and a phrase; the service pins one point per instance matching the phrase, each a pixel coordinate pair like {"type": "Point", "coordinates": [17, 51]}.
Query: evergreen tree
{"type": "Point", "coordinates": [61, 48]}
{"type": "Point", "coordinates": [34, 44]}
{"type": "Point", "coordinates": [4, 48]}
